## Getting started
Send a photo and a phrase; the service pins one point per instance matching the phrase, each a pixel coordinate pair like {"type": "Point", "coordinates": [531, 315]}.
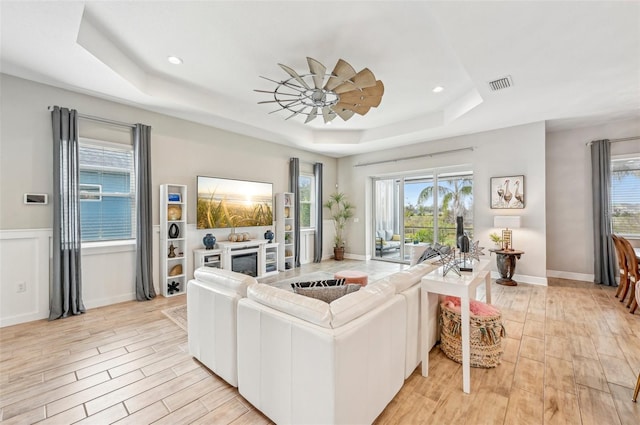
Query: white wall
{"type": "Point", "coordinates": [510, 151]}
{"type": "Point", "coordinates": [569, 195]}
{"type": "Point", "coordinates": [180, 151]}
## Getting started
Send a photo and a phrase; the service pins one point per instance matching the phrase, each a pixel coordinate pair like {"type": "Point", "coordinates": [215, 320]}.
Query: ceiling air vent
{"type": "Point", "coordinates": [501, 83]}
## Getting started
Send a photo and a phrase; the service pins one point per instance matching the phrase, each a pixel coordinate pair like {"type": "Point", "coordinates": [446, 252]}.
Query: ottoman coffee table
{"type": "Point", "coordinates": [352, 276]}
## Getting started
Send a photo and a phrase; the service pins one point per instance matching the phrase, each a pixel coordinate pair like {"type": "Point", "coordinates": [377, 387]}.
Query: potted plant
{"type": "Point", "coordinates": [496, 239]}
{"type": "Point", "coordinates": [341, 211]}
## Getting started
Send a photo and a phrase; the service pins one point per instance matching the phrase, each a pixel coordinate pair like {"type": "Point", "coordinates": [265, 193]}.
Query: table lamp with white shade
{"type": "Point", "coordinates": [507, 222]}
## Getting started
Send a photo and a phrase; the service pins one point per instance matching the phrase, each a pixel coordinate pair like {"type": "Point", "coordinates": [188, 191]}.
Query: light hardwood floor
{"type": "Point", "coordinates": [572, 355]}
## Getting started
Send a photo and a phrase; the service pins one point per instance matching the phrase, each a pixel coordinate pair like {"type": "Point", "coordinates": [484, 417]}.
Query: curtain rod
{"type": "Point", "coordinates": [426, 155]}
{"type": "Point", "coordinates": [623, 139]}
{"type": "Point", "coordinates": [102, 120]}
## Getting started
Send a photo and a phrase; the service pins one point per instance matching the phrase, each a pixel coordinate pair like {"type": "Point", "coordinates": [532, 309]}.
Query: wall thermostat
{"type": "Point", "coordinates": [36, 198]}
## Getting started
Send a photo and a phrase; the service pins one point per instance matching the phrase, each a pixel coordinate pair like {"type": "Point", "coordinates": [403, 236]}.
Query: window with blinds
{"type": "Point", "coordinates": [625, 195]}
{"type": "Point", "coordinates": [306, 186]}
{"type": "Point", "coordinates": [107, 191]}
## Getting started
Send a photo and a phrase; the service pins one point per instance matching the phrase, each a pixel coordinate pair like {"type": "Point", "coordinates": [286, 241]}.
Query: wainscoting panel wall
{"type": "Point", "coordinates": [24, 275]}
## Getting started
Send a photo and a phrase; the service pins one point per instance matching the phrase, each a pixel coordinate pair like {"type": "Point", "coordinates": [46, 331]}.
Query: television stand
{"type": "Point", "coordinates": [256, 257]}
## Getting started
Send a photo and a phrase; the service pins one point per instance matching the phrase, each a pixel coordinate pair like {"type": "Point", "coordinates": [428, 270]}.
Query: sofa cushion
{"type": "Point", "coordinates": [395, 238]}
{"type": "Point", "coordinates": [305, 308]}
{"type": "Point", "coordinates": [225, 279]}
{"type": "Point", "coordinates": [403, 280]}
{"type": "Point", "coordinates": [326, 282]}
{"type": "Point", "coordinates": [352, 306]}
{"type": "Point", "coordinates": [388, 234]}
{"type": "Point", "coordinates": [327, 294]}
{"type": "Point", "coordinates": [380, 234]}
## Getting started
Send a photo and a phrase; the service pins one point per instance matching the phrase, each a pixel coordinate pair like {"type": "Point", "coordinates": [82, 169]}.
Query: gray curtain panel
{"type": "Point", "coordinates": [144, 231]}
{"type": "Point", "coordinates": [294, 187]}
{"type": "Point", "coordinates": [603, 249]}
{"type": "Point", "coordinates": [317, 251]}
{"type": "Point", "coordinates": [65, 286]}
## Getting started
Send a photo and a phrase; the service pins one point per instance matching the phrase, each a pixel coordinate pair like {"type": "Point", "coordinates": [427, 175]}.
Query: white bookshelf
{"type": "Point", "coordinates": [173, 262]}
{"type": "Point", "coordinates": [285, 227]}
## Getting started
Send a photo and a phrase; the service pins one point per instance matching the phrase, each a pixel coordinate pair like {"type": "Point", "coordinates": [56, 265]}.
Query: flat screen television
{"type": "Point", "coordinates": [233, 203]}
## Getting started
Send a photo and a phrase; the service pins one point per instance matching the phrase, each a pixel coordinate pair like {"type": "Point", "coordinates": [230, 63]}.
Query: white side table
{"type": "Point", "coordinates": [463, 286]}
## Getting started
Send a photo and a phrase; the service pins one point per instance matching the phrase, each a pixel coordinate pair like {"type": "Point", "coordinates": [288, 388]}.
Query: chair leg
{"type": "Point", "coordinates": [635, 392]}
{"type": "Point", "coordinates": [627, 284]}
{"type": "Point", "coordinates": [634, 306]}
{"type": "Point", "coordinates": [623, 284]}
{"type": "Point", "coordinates": [632, 298]}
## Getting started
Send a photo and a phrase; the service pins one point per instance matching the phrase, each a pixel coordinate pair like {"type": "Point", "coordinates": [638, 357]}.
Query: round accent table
{"type": "Point", "coordinates": [506, 262]}
{"type": "Point", "coordinates": [352, 276]}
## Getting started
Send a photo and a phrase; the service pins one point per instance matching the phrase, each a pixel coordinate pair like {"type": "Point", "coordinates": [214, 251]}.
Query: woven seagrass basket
{"type": "Point", "coordinates": [485, 337]}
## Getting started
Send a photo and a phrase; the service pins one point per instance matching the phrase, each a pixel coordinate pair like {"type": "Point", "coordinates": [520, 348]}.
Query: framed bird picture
{"type": "Point", "coordinates": [507, 192]}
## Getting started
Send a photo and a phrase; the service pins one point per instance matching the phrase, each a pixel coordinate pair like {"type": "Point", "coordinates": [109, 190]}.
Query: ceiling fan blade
{"type": "Point", "coordinates": [318, 70]}
{"type": "Point", "coordinates": [279, 93]}
{"type": "Point", "coordinates": [287, 84]}
{"type": "Point", "coordinates": [341, 73]}
{"type": "Point", "coordinates": [357, 98]}
{"type": "Point", "coordinates": [312, 115]}
{"type": "Point", "coordinates": [295, 75]}
{"type": "Point", "coordinates": [328, 114]}
{"type": "Point", "coordinates": [343, 113]}
{"type": "Point", "coordinates": [377, 90]}
{"type": "Point", "coordinates": [290, 105]}
{"type": "Point", "coordinates": [361, 80]}
{"type": "Point", "coordinates": [296, 112]}
{"type": "Point", "coordinates": [343, 69]}
{"type": "Point", "coordinates": [358, 109]}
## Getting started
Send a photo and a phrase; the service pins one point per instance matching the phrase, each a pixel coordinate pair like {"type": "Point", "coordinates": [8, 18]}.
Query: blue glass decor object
{"type": "Point", "coordinates": [209, 241]}
{"type": "Point", "coordinates": [268, 235]}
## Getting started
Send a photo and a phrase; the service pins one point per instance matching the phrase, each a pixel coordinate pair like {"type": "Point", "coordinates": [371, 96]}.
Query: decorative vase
{"type": "Point", "coordinates": [174, 231]}
{"type": "Point", "coordinates": [172, 251]}
{"type": "Point", "coordinates": [338, 253]}
{"type": "Point", "coordinates": [459, 230]}
{"type": "Point", "coordinates": [268, 235]}
{"type": "Point", "coordinates": [174, 212]}
{"type": "Point", "coordinates": [209, 241]}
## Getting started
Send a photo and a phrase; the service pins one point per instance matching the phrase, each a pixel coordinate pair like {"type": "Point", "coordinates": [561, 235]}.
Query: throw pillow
{"type": "Point", "coordinates": [380, 234]}
{"type": "Point", "coordinates": [326, 282]}
{"type": "Point", "coordinates": [428, 254]}
{"type": "Point", "coordinates": [327, 294]}
{"type": "Point", "coordinates": [388, 234]}
{"type": "Point", "coordinates": [395, 238]}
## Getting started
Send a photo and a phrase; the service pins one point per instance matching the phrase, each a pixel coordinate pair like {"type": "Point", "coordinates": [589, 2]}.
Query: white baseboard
{"type": "Point", "coordinates": [355, 257]}
{"type": "Point", "coordinates": [131, 296]}
{"type": "Point", "coordinates": [23, 318]}
{"type": "Point", "coordinates": [570, 275]}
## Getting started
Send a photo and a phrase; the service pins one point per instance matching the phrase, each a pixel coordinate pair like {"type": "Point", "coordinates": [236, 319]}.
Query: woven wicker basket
{"type": "Point", "coordinates": [486, 333]}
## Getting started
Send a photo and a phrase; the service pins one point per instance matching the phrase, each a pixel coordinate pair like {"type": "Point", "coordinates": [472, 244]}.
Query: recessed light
{"type": "Point", "coordinates": [174, 60]}
{"type": "Point", "coordinates": [437, 89]}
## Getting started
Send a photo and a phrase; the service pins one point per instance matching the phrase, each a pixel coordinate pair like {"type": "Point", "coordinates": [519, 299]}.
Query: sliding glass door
{"type": "Point", "coordinates": [389, 226]}
{"type": "Point", "coordinates": [420, 210]}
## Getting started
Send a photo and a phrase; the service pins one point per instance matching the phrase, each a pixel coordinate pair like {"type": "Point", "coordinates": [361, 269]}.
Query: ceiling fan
{"type": "Point", "coordinates": [341, 93]}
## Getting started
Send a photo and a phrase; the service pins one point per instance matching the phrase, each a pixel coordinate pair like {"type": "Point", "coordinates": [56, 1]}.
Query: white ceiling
{"type": "Point", "coordinates": [572, 63]}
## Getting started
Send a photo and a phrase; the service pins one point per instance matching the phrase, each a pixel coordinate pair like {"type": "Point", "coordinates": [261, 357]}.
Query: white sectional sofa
{"type": "Point", "coordinates": [301, 360]}
{"type": "Point", "coordinates": [212, 301]}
